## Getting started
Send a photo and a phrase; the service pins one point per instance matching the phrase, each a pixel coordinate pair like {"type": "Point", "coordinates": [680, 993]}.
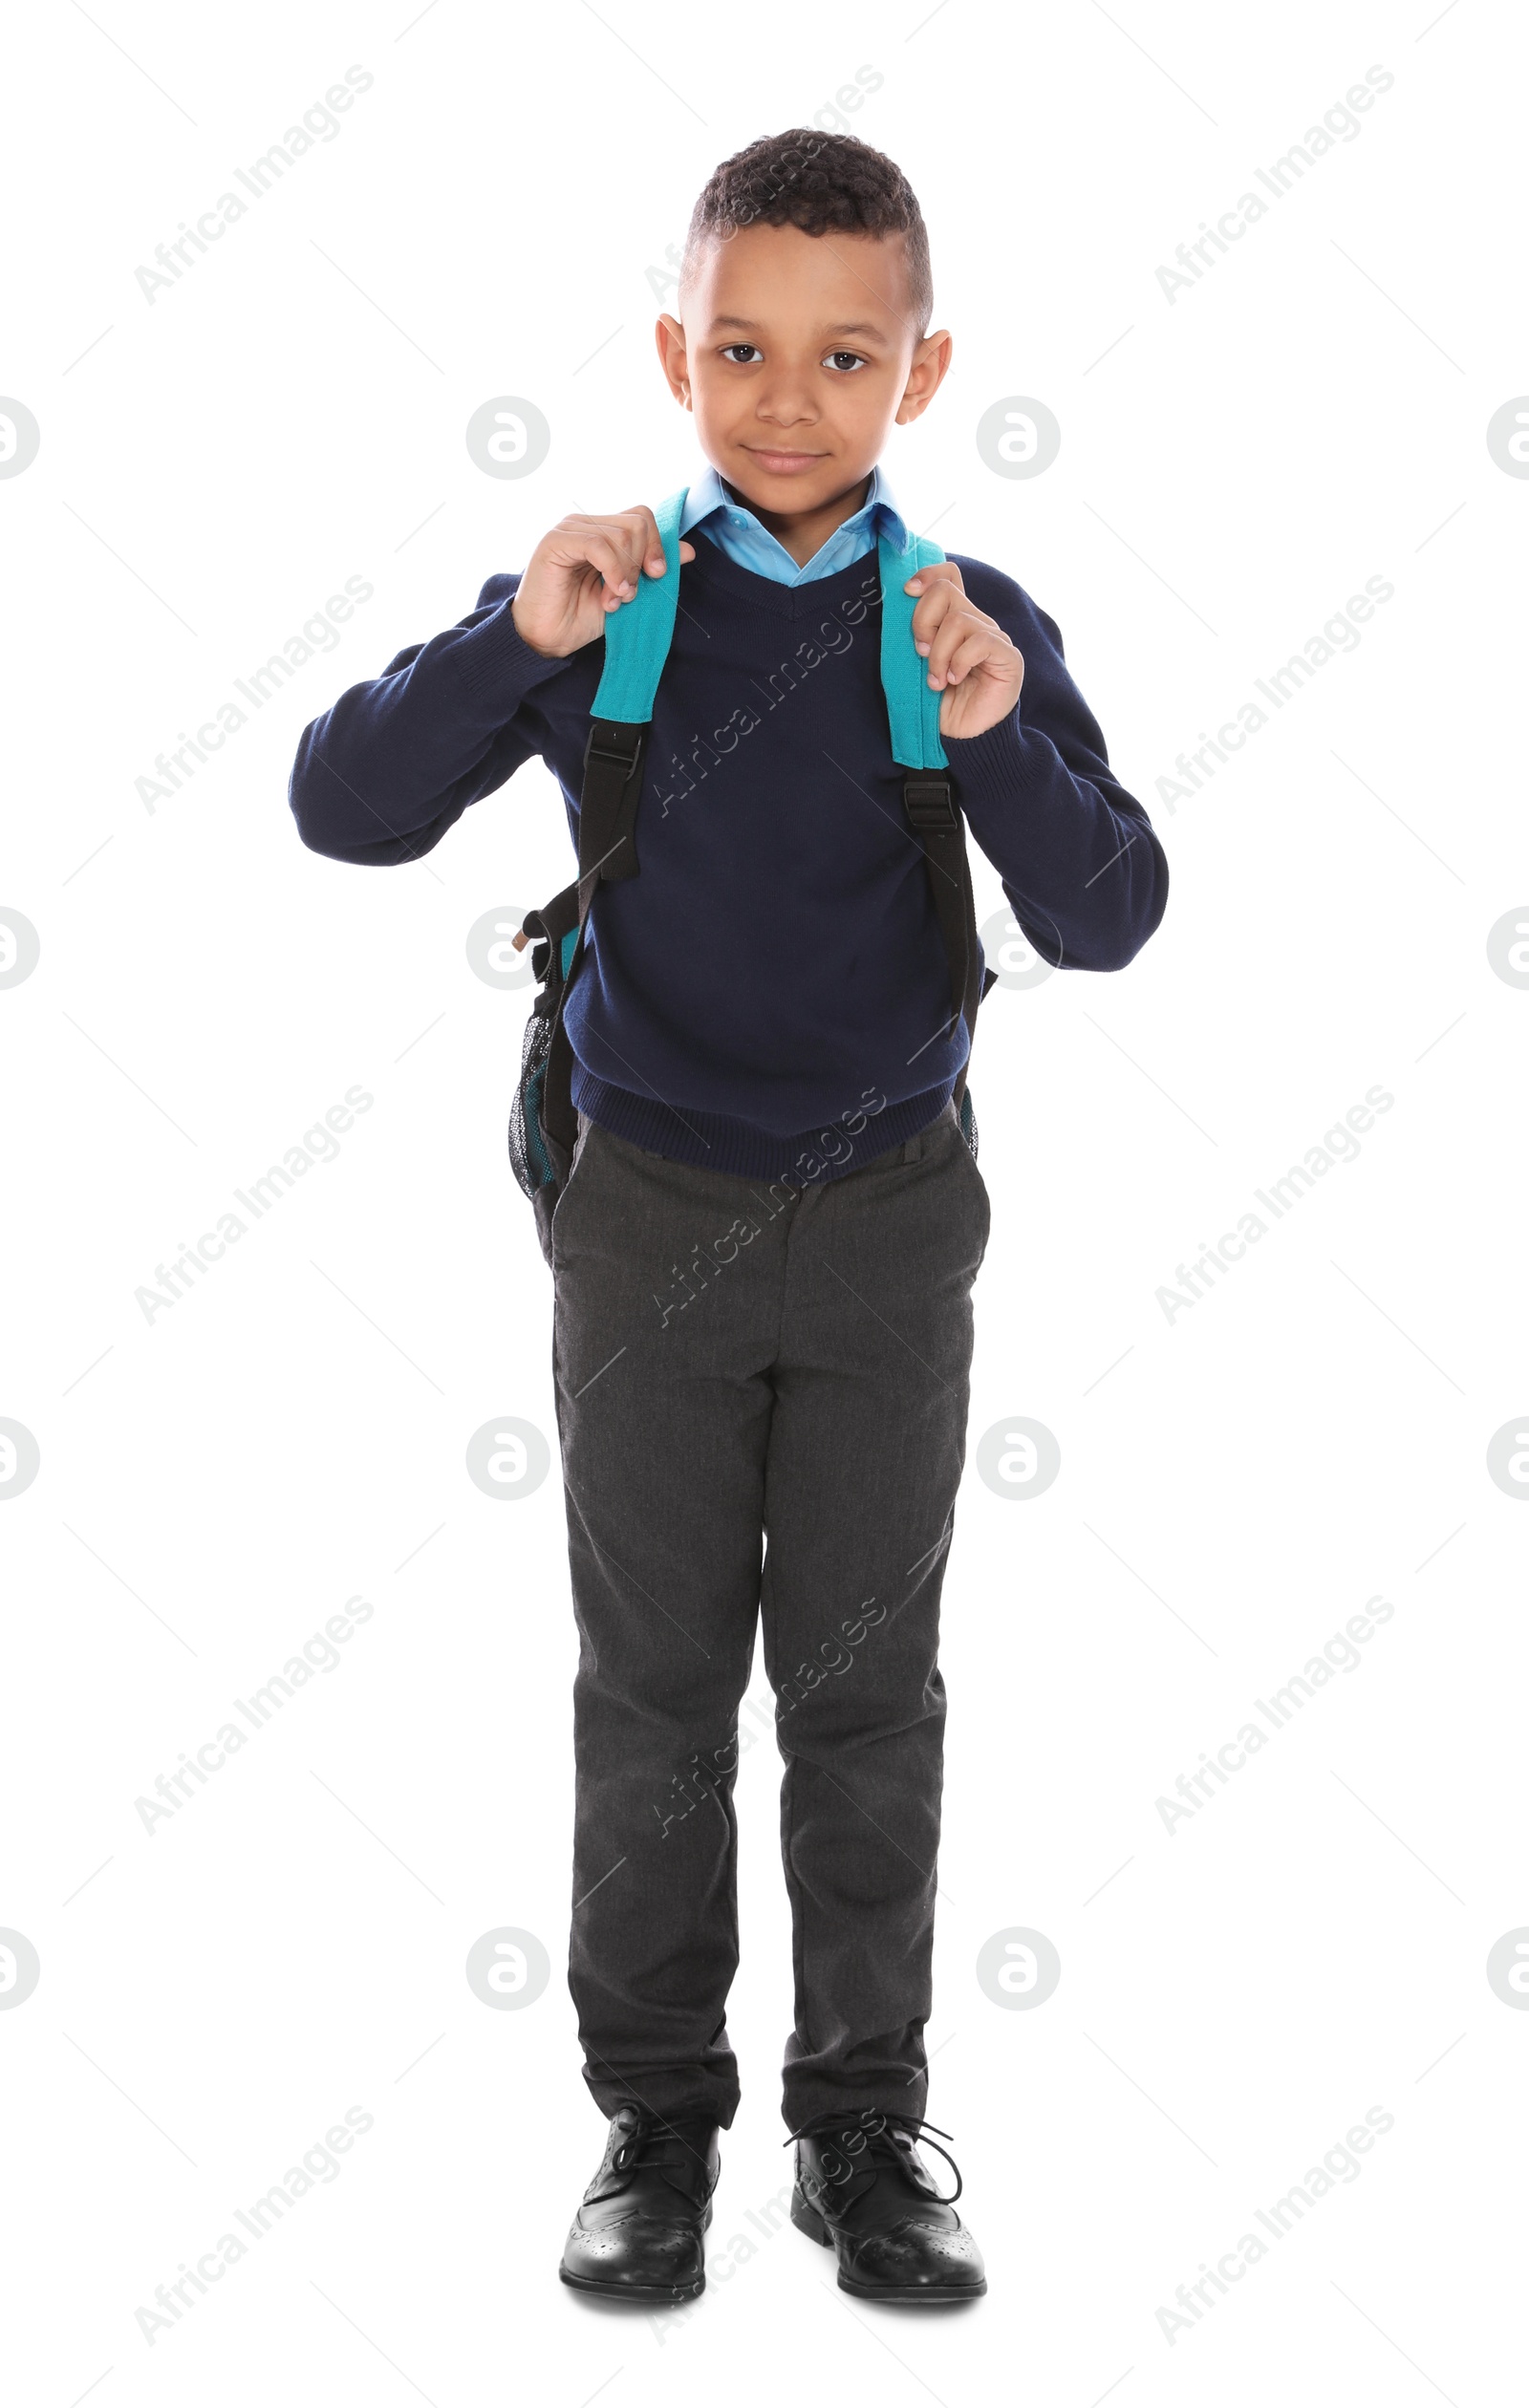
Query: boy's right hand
{"type": "Point", "coordinates": [581, 572]}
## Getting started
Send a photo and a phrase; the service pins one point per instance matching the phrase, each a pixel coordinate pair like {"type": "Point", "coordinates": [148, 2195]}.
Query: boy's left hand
{"type": "Point", "coordinates": [977, 668]}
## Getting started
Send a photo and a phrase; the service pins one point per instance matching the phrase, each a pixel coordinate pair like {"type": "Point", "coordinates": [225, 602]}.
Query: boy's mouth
{"type": "Point", "coordinates": [784, 464]}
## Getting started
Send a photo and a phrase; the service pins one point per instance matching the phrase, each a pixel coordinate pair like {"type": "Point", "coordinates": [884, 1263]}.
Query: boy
{"type": "Point", "coordinates": [765, 1252]}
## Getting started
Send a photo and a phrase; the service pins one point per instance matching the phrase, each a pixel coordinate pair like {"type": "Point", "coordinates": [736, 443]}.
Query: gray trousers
{"type": "Point", "coordinates": [762, 1398]}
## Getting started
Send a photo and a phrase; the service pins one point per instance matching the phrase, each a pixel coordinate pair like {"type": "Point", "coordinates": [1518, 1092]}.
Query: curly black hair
{"type": "Point", "coordinates": [823, 184]}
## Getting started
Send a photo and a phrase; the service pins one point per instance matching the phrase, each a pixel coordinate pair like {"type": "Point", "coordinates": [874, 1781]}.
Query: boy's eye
{"type": "Point", "coordinates": [744, 355]}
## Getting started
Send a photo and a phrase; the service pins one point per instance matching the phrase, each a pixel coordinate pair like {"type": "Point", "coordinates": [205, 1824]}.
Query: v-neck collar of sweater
{"type": "Point", "coordinates": [713, 567]}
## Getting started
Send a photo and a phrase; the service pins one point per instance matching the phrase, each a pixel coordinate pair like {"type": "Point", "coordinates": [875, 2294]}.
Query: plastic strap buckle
{"type": "Point", "coordinates": [615, 740]}
{"type": "Point", "coordinates": [930, 801]}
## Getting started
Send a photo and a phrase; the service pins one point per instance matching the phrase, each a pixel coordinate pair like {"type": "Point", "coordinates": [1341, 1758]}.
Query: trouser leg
{"type": "Point", "coordinates": [866, 1449]}
{"type": "Point", "coordinates": [664, 1415]}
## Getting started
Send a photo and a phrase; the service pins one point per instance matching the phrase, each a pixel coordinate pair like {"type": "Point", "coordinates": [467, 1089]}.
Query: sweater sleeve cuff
{"type": "Point", "coordinates": [991, 767]}
{"type": "Point", "coordinates": [497, 668]}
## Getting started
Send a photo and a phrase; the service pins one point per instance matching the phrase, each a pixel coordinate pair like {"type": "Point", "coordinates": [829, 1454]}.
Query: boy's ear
{"type": "Point", "coordinates": [925, 376]}
{"type": "Point", "coordinates": [669, 337]}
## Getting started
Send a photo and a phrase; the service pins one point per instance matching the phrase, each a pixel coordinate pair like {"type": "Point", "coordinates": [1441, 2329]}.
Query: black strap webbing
{"type": "Point", "coordinates": [607, 851]}
{"type": "Point", "coordinates": [936, 821]}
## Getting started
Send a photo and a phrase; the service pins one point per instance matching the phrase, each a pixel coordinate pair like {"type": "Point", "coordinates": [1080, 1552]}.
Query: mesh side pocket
{"type": "Point", "coordinates": [528, 1154]}
{"type": "Point", "coordinates": [969, 1120]}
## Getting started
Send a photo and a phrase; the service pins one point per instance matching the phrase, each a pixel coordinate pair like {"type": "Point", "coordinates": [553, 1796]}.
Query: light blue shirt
{"type": "Point", "coordinates": [734, 529]}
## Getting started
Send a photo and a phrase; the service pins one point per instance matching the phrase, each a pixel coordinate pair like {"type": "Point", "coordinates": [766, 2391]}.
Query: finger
{"type": "Point", "coordinates": [654, 558]}
{"type": "Point", "coordinates": [621, 548]}
{"type": "Point", "coordinates": [625, 586]}
{"type": "Point", "coordinates": [615, 545]}
{"type": "Point", "coordinates": [628, 531]}
{"type": "Point", "coordinates": [939, 575]}
{"type": "Point", "coordinates": [944, 570]}
{"type": "Point", "coordinates": [975, 652]}
{"type": "Point", "coordinates": [953, 631]}
{"type": "Point", "coordinates": [965, 656]}
{"type": "Point", "coordinates": [610, 558]}
{"type": "Point", "coordinates": [930, 612]}
{"type": "Point", "coordinates": [649, 552]}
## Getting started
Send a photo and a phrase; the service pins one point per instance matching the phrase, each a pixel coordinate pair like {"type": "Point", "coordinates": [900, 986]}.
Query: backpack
{"type": "Point", "coordinates": [544, 1123]}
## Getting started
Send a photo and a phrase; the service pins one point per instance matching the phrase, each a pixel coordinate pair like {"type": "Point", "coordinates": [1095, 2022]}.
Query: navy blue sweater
{"type": "Point", "coordinates": [776, 969]}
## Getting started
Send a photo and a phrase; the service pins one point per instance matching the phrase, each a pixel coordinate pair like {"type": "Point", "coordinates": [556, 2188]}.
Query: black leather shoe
{"type": "Point", "coordinates": [638, 2234]}
{"type": "Point", "coordinates": [863, 2190]}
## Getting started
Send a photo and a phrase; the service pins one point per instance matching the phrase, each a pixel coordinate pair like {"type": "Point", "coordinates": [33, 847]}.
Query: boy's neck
{"type": "Point", "coordinates": [803, 533]}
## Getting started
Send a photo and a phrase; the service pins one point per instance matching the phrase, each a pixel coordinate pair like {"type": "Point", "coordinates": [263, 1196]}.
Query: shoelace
{"type": "Point", "coordinates": [878, 2133]}
{"type": "Point", "coordinates": [653, 2144]}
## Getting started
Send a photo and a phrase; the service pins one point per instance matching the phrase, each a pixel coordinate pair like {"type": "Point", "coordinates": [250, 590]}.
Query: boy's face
{"type": "Point", "coordinates": [796, 354]}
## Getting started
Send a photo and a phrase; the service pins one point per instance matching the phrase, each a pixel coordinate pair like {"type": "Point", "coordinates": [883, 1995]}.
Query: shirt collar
{"type": "Point", "coordinates": [878, 512]}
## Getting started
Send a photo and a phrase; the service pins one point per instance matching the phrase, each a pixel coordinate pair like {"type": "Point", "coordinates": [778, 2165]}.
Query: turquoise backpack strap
{"type": "Point", "coordinates": [913, 706]}
{"type": "Point", "coordinates": [912, 715]}
{"type": "Point", "coordinates": [638, 634]}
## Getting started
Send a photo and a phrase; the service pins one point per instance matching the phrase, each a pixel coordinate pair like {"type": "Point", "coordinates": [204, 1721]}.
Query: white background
{"type": "Point", "coordinates": [1235, 1483]}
